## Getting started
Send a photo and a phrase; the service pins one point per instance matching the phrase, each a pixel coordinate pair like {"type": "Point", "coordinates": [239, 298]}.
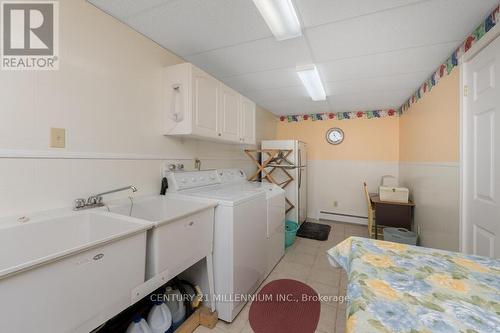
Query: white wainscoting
{"type": "Point", "coordinates": [435, 189]}
{"type": "Point", "coordinates": [342, 181]}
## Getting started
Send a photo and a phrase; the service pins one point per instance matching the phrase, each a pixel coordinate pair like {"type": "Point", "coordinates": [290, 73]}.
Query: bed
{"type": "Point", "coordinates": [400, 288]}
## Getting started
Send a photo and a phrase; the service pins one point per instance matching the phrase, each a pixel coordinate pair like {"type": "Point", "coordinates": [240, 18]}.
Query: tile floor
{"type": "Point", "coordinates": [306, 261]}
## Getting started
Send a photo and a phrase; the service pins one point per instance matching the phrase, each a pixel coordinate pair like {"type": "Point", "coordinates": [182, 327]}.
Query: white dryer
{"type": "Point", "coordinates": [275, 211]}
{"type": "Point", "coordinates": [239, 258]}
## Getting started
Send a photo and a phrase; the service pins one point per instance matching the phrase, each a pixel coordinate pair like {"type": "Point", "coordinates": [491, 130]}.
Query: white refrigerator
{"type": "Point", "coordinates": [295, 164]}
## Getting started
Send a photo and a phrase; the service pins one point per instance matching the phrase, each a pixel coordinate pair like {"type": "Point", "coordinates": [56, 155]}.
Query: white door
{"type": "Point", "coordinates": [205, 95]}
{"type": "Point", "coordinates": [247, 129]}
{"type": "Point", "coordinates": [481, 209]}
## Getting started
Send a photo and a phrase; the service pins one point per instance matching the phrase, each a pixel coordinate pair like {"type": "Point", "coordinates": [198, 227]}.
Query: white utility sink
{"type": "Point", "coordinates": [46, 239]}
{"type": "Point", "coordinates": [65, 271]}
{"type": "Point", "coordinates": [182, 235]}
{"type": "Point", "coordinates": [161, 209]}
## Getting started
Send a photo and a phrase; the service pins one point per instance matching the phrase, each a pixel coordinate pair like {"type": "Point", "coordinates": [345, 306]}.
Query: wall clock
{"type": "Point", "coordinates": [335, 136]}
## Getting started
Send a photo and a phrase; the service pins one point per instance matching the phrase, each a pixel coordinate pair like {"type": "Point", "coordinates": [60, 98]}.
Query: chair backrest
{"type": "Point", "coordinates": [367, 195]}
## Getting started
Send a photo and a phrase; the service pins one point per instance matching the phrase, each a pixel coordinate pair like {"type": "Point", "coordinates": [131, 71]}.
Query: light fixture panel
{"type": "Point", "coordinates": [281, 18]}
{"type": "Point", "coordinates": [309, 76]}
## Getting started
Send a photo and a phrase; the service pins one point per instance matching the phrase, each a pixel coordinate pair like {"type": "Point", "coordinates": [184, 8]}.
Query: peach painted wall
{"type": "Point", "coordinates": [365, 139]}
{"type": "Point", "coordinates": [336, 174]}
{"type": "Point", "coordinates": [429, 131]}
{"type": "Point", "coordinates": [429, 149]}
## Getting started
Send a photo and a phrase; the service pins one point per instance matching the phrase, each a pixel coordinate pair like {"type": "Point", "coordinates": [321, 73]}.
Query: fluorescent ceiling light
{"type": "Point", "coordinates": [281, 18]}
{"type": "Point", "coordinates": [310, 79]}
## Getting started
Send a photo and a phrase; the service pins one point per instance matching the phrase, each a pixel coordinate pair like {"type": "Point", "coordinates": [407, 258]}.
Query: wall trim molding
{"type": "Point", "coordinates": [50, 154]}
{"type": "Point", "coordinates": [356, 161]}
{"type": "Point", "coordinates": [342, 217]}
{"type": "Point", "coordinates": [432, 164]}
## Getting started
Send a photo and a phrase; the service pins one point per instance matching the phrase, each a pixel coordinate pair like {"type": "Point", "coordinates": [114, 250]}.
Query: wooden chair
{"type": "Point", "coordinates": [371, 212]}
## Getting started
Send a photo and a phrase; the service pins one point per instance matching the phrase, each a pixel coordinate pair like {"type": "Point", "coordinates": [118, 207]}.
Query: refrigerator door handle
{"type": "Point", "coordinates": [300, 177]}
{"type": "Point", "coordinates": [299, 157]}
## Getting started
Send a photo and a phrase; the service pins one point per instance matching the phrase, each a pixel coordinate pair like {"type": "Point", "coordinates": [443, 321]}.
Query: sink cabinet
{"type": "Point", "coordinates": [177, 245]}
{"type": "Point", "coordinates": [76, 293]}
{"type": "Point", "coordinates": [197, 105]}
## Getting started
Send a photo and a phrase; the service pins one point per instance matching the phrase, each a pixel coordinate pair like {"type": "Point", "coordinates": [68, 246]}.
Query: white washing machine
{"type": "Point", "coordinates": [239, 258]}
{"type": "Point", "coordinates": [275, 211]}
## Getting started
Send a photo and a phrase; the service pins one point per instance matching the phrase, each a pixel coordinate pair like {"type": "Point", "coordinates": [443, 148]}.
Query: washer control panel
{"type": "Point", "coordinates": [231, 175]}
{"type": "Point", "coordinates": [183, 180]}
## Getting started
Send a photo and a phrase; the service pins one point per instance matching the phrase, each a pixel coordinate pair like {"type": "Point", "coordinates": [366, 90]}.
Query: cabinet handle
{"type": "Point", "coordinates": [220, 134]}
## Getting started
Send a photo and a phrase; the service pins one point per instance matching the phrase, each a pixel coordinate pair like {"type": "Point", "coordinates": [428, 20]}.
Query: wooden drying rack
{"type": "Point", "coordinates": [275, 159]}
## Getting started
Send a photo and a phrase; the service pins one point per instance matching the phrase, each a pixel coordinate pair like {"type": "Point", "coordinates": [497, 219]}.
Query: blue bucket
{"type": "Point", "coordinates": [291, 228]}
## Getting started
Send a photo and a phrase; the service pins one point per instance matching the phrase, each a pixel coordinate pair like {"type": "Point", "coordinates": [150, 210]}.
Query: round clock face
{"type": "Point", "coordinates": [335, 136]}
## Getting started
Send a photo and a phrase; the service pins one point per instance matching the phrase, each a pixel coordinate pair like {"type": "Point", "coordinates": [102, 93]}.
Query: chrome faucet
{"type": "Point", "coordinates": [96, 199]}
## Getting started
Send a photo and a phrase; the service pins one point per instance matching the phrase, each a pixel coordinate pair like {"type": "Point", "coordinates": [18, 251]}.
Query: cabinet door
{"type": "Point", "coordinates": [247, 127]}
{"type": "Point", "coordinates": [205, 101]}
{"type": "Point", "coordinates": [229, 114]}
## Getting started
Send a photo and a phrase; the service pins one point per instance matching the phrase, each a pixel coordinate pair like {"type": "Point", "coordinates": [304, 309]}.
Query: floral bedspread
{"type": "Point", "coordinates": [400, 288]}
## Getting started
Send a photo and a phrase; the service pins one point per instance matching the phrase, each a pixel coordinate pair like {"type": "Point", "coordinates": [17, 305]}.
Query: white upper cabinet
{"type": "Point", "coordinates": [205, 104]}
{"type": "Point", "coordinates": [247, 121]}
{"type": "Point", "coordinates": [198, 105]}
{"type": "Point", "coordinates": [229, 113]}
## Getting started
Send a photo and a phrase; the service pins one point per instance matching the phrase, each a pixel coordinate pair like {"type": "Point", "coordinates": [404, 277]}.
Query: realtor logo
{"type": "Point", "coordinates": [29, 36]}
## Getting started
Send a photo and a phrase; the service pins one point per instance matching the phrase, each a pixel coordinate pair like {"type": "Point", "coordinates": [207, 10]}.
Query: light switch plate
{"type": "Point", "coordinates": [57, 138]}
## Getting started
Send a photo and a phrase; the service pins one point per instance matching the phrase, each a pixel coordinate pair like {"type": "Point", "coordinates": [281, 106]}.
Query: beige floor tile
{"type": "Point", "coordinates": [340, 321]}
{"type": "Point", "coordinates": [328, 293]}
{"type": "Point", "coordinates": [247, 329]}
{"type": "Point", "coordinates": [327, 318]}
{"type": "Point", "coordinates": [306, 261]}
{"type": "Point", "coordinates": [301, 258]}
{"type": "Point", "coordinates": [354, 227]}
{"type": "Point", "coordinates": [306, 241]}
{"type": "Point", "coordinates": [343, 283]}
{"type": "Point", "coordinates": [202, 329]}
{"type": "Point", "coordinates": [305, 249]}
{"type": "Point", "coordinates": [322, 262]}
{"type": "Point", "coordinates": [330, 276]}
{"type": "Point", "coordinates": [337, 229]}
{"type": "Point", "coordinates": [238, 323]}
{"type": "Point", "coordinates": [328, 244]}
{"type": "Point", "coordinates": [293, 269]}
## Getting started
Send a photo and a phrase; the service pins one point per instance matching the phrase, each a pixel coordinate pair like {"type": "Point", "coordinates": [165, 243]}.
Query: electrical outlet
{"type": "Point", "coordinates": [57, 138]}
{"type": "Point", "coordinates": [335, 204]}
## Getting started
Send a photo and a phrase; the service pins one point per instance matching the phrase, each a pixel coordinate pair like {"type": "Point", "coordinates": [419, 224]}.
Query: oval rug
{"type": "Point", "coordinates": [285, 306]}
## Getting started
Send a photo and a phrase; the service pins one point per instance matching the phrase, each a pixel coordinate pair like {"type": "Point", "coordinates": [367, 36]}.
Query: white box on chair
{"type": "Point", "coordinates": [394, 194]}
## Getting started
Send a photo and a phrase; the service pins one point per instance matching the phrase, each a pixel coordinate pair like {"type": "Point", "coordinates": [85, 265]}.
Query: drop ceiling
{"type": "Point", "coordinates": [371, 54]}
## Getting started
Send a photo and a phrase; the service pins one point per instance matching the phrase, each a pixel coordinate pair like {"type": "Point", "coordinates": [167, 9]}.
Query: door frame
{"type": "Point", "coordinates": [464, 59]}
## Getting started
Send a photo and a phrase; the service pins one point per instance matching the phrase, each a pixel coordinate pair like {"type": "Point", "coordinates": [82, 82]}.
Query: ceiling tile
{"type": "Point", "coordinates": [261, 55]}
{"type": "Point", "coordinates": [317, 12]}
{"type": "Point", "coordinates": [428, 22]}
{"type": "Point", "coordinates": [124, 8]}
{"type": "Point", "coordinates": [366, 101]}
{"type": "Point", "coordinates": [194, 26]}
{"type": "Point", "coordinates": [264, 80]}
{"type": "Point", "coordinates": [295, 106]}
{"type": "Point", "coordinates": [370, 54]}
{"type": "Point", "coordinates": [277, 94]}
{"type": "Point", "coordinates": [418, 59]}
{"type": "Point", "coordinates": [382, 83]}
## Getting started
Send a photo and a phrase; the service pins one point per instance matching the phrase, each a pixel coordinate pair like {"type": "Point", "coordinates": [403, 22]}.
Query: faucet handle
{"type": "Point", "coordinates": [79, 203]}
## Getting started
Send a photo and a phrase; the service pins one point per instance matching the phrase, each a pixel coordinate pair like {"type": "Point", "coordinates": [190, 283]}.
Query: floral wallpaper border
{"type": "Point", "coordinates": [443, 70]}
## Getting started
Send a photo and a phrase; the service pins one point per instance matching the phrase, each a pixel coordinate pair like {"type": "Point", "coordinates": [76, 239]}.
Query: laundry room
{"type": "Point", "coordinates": [237, 166]}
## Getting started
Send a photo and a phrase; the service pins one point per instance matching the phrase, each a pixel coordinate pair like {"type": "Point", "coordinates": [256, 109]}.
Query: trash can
{"type": "Point", "coordinates": [291, 228]}
{"type": "Point", "coordinates": [400, 235]}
